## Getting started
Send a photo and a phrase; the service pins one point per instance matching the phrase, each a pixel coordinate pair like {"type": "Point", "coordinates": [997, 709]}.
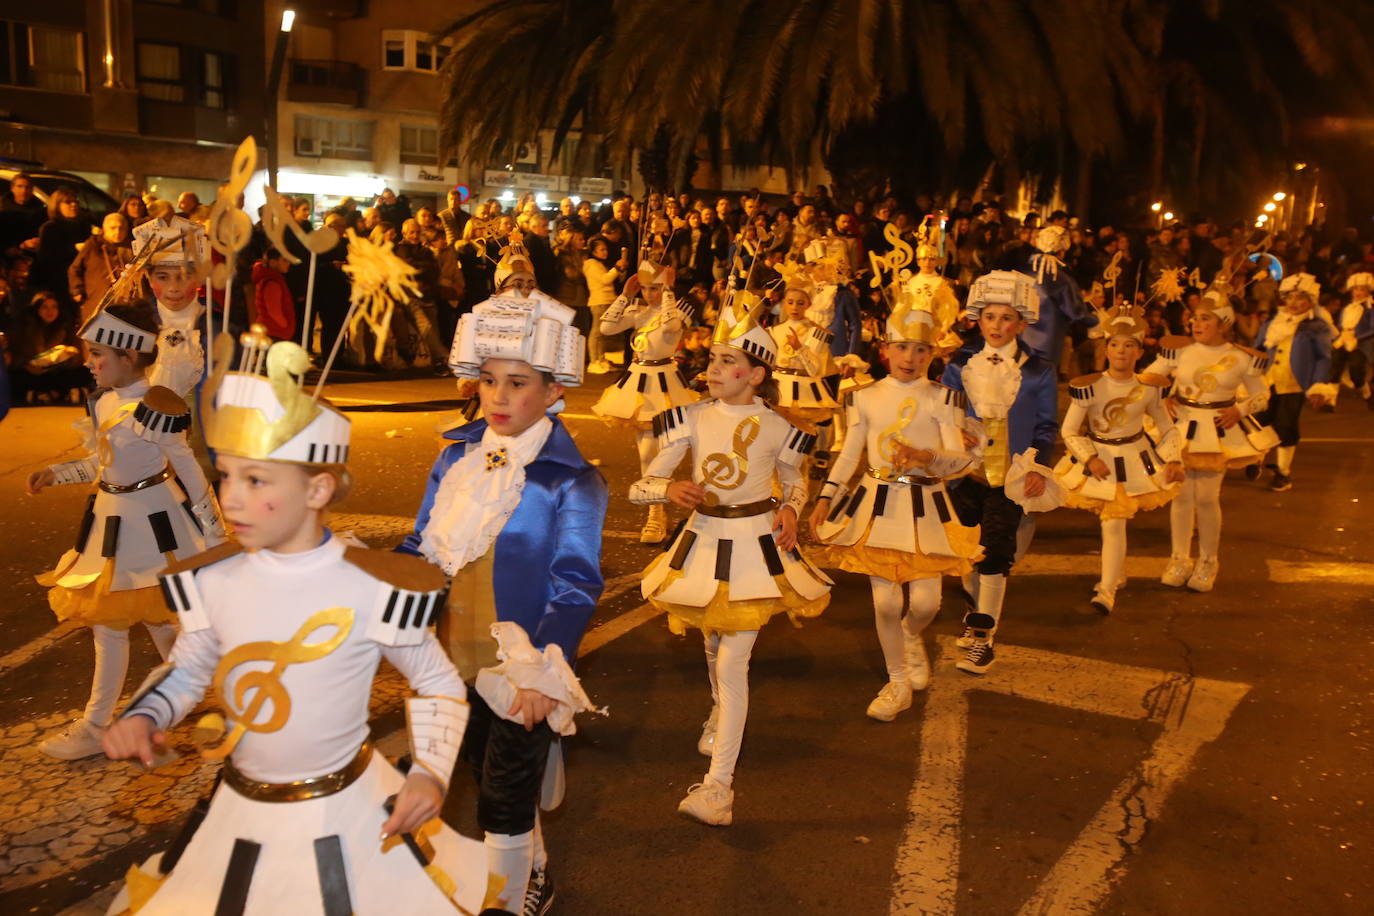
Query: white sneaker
{"type": "Point", "coordinates": [79, 740]}
{"type": "Point", "coordinates": [1204, 574]}
{"type": "Point", "coordinates": [917, 664]}
{"type": "Point", "coordinates": [707, 742]}
{"type": "Point", "coordinates": [1177, 572]}
{"type": "Point", "coordinates": [892, 699]}
{"type": "Point", "coordinates": [598, 367]}
{"type": "Point", "coordinates": [965, 638]}
{"type": "Point", "coordinates": [1104, 599]}
{"type": "Point", "coordinates": [655, 527]}
{"type": "Point", "coordinates": [710, 803]}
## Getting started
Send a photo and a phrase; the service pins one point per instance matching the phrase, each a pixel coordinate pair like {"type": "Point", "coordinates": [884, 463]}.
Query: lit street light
{"type": "Point", "coordinates": [1156, 206]}
{"type": "Point", "coordinates": [1269, 207]}
{"type": "Point", "coordinates": [288, 19]}
{"type": "Point", "coordinates": [1169, 215]}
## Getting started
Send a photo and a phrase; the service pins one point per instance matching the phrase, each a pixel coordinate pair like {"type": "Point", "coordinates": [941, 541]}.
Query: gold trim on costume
{"type": "Point", "coordinates": [1203, 405]}
{"type": "Point", "coordinates": [1117, 440]}
{"type": "Point", "coordinates": [889, 477]}
{"type": "Point", "coordinates": [301, 789]}
{"type": "Point", "coordinates": [743, 510]}
{"type": "Point", "coordinates": [159, 477]}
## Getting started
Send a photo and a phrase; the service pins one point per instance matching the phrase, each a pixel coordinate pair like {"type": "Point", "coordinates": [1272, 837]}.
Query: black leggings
{"type": "Point", "coordinates": [508, 764]}
{"type": "Point", "coordinates": [1283, 413]}
{"type": "Point", "coordinates": [976, 503]}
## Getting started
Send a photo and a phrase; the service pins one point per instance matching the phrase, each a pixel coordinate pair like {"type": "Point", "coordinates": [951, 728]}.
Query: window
{"type": "Point", "coordinates": [159, 72]}
{"type": "Point", "coordinates": [336, 138]}
{"type": "Point", "coordinates": [42, 58]}
{"type": "Point", "coordinates": [212, 84]}
{"type": "Point", "coordinates": [419, 144]}
{"type": "Point", "coordinates": [407, 49]}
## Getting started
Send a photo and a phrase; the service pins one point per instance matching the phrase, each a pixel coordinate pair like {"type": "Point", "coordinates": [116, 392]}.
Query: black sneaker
{"type": "Point", "coordinates": [1252, 472]}
{"type": "Point", "coordinates": [1280, 483]}
{"type": "Point", "coordinates": [539, 894]}
{"type": "Point", "coordinates": [979, 656]}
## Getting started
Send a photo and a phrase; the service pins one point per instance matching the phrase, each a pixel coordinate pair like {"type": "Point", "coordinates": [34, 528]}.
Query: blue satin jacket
{"type": "Point", "coordinates": [1033, 420]}
{"type": "Point", "coordinates": [1061, 307]}
{"type": "Point", "coordinates": [847, 325]}
{"type": "Point", "coordinates": [1310, 355]}
{"type": "Point", "coordinates": [547, 568]}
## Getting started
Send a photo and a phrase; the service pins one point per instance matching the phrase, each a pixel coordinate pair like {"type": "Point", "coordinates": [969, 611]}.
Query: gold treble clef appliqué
{"type": "Point", "coordinates": [891, 441]}
{"type": "Point", "coordinates": [1114, 411]}
{"type": "Point", "coordinates": [726, 472]}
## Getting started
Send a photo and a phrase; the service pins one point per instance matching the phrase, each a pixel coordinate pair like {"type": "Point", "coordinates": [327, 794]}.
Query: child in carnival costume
{"type": "Point", "coordinates": [1061, 305]}
{"type": "Point", "coordinates": [177, 258]}
{"type": "Point", "coordinates": [1013, 409]}
{"type": "Point", "coordinates": [652, 382]}
{"type": "Point", "coordinates": [1298, 342]}
{"type": "Point", "coordinates": [289, 625]}
{"type": "Point", "coordinates": [1113, 469]}
{"type": "Point", "coordinates": [1353, 350]}
{"type": "Point", "coordinates": [514, 513]}
{"type": "Point", "coordinates": [896, 524]}
{"type": "Point", "coordinates": [1218, 429]}
{"type": "Point", "coordinates": [931, 291]}
{"type": "Point", "coordinates": [152, 506]}
{"type": "Point", "coordinates": [734, 563]}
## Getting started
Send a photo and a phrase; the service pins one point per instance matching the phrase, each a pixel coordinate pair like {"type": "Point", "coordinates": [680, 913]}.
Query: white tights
{"type": "Point", "coordinates": [512, 857]}
{"type": "Point", "coordinates": [727, 664]}
{"type": "Point", "coordinates": [891, 614]}
{"type": "Point", "coordinates": [1113, 552]}
{"type": "Point", "coordinates": [112, 664]}
{"type": "Point", "coordinates": [646, 443]}
{"type": "Point", "coordinates": [1198, 502]}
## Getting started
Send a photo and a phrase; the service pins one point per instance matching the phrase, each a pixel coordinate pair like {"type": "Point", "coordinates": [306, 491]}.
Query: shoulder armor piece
{"type": "Point", "coordinates": [794, 420]}
{"type": "Point", "coordinates": [1081, 388]}
{"type": "Point", "coordinates": [179, 589]}
{"type": "Point", "coordinates": [1252, 351]}
{"type": "Point", "coordinates": [1173, 343]}
{"type": "Point", "coordinates": [822, 334]}
{"type": "Point", "coordinates": [1259, 360]}
{"type": "Point", "coordinates": [671, 425]}
{"type": "Point", "coordinates": [799, 441]}
{"type": "Point", "coordinates": [161, 414]}
{"type": "Point", "coordinates": [1152, 379]}
{"type": "Point", "coordinates": [409, 598]}
{"type": "Point", "coordinates": [954, 398]}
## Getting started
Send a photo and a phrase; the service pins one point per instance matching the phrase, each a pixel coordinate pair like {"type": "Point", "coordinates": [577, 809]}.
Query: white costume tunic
{"type": "Point", "coordinates": [140, 517]}
{"type": "Point", "coordinates": [726, 574]}
{"type": "Point", "coordinates": [1114, 413]}
{"type": "Point", "coordinates": [652, 383]}
{"type": "Point", "coordinates": [898, 523]}
{"type": "Point", "coordinates": [180, 356]}
{"type": "Point", "coordinates": [1206, 381]}
{"type": "Point", "coordinates": [292, 643]}
{"type": "Point", "coordinates": [805, 373]}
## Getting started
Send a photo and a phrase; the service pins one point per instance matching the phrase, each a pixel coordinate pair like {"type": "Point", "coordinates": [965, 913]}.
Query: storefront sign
{"type": "Point", "coordinates": [600, 187]}
{"type": "Point", "coordinates": [428, 174]}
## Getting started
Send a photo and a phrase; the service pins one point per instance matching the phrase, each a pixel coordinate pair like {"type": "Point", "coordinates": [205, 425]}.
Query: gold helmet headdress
{"type": "Point", "coordinates": [1124, 320]}
{"type": "Point", "coordinates": [745, 334]}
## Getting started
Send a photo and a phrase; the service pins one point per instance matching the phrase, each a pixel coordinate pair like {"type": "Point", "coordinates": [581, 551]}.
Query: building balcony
{"type": "Point", "coordinates": [327, 82]}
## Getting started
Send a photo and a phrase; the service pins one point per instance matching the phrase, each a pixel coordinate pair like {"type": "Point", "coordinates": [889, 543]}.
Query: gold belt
{"type": "Point", "coordinates": [143, 484]}
{"type": "Point", "coordinates": [797, 372]}
{"type": "Point", "coordinates": [301, 789]}
{"type": "Point", "coordinates": [1214, 405]}
{"type": "Point", "coordinates": [744, 510]}
{"type": "Point", "coordinates": [1120, 440]}
{"type": "Point", "coordinates": [888, 477]}
{"type": "Point", "coordinates": [650, 363]}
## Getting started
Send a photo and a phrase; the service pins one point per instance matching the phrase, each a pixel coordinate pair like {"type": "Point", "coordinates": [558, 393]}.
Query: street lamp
{"type": "Point", "coordinates": [1168, 215]}
{"type": "Point", "coordinates": [1156, 206]}
{"type": "Point", "coordinates": [1270, 207]}
{"type": "Point", "coordinates": [1279, 195]}
{"type": "Point", "coordinates": [288, 19]}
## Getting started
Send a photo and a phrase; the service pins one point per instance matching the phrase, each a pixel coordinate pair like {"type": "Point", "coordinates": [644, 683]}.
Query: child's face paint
{"type": "Point", "coordinates": [514, 395]}
{"type": "Point", "coordinates": [112, 368]}
{"type": "Point", "coordinates": [174, 286]}
{"type": "Point", "coordinates": [270, 505]}
{"type": "Point", "coordinates": [730, 376]}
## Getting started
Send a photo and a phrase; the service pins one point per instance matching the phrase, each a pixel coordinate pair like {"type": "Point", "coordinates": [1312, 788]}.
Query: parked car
{"type": "Point", "coordinates": [93, 200]}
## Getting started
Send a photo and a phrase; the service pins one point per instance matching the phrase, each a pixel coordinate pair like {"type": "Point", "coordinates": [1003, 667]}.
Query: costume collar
{"type": "Point", "coordinates": [184, 320]}
{"type": "Point", "coordinates": [1011, 352]}
{"type": "Point", "coordinates": [135, 389]}
{"type": "Point", "coordinates": [558, 448]}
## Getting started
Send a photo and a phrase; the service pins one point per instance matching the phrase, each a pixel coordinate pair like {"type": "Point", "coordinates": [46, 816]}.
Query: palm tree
{"type": "Point", "coordinates": [928, 86]}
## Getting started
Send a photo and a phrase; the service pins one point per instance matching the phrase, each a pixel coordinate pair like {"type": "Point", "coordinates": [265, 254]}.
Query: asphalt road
{"type": "Point", "coordinates": [1191, 754]}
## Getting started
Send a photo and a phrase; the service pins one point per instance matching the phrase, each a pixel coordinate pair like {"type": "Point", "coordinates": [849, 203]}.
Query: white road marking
{"type": "Point", "coordinates": [33, 647]}
{"type": "Point", "coordinates": [1085, 564]}
{"type": "Point", "coordinates": [615, 628]}
{"type": "Point", "coordinates": [1192, 712]}
{"type": "Point", "coordinates": [1288, 571]}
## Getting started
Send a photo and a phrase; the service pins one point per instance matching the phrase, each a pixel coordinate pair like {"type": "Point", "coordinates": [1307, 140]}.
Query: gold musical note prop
{"type": "Point", "coordinates": [640, 342]}
{"type": "Point", "coordinates": [230, 228]}
{"type": "Point", "coordinates": [892, 439]}
{"type": "Point", "coordinates": [103, 450]}
{"type": "Point", "coordinates": [1114, 411]}
{"type": "Point", "coordinates": [901, 254]}
{"type": "Point", "coordinates": [727, 472]}
{"type": "Point", "coordinates": [275, 219]}
{"type": "Point", "coordinates": [266, 686]}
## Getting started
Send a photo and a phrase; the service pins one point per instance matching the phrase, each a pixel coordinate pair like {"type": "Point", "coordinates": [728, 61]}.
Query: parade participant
{"type": "Point", "coordinates": [1298, 343]}
{"type": "Point", "coordinates": [1011, 393]}
{"type": "Point", "coordinates": [175, 257]}
{"type": "Point", "coordinates": [514, 513]}
{"type": "Point", "coordinates": [933, 293]}
{"type": "Point", "coordinates": [895, 525]}
{"type": "Point", "coordinates": [1353, 351]}
{"type": "Point", "coordinates": [1061, 306]}
{"type": "Point", "coordinates": [292, 619]}
{"type": "Point", "coordinates": [652, 383]}
{"type": "Point", "coordinates": [807, 375]}
{"type": "Point", "coordinates": [1217, 427]}
{"type": "Point", "coordinates": [151, 506]}
{"type": "Point", "coordinates": [1115, 470]}
{"type": "Point", "coordinates": [734, 563]}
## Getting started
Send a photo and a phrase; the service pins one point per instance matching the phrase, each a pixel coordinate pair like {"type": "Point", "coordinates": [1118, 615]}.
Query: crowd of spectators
{"type": "Point", "coordinates": [56, 262]}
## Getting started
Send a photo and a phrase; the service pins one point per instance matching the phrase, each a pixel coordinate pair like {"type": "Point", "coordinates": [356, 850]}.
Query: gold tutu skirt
{"type": "Point", "coordinates": [722, 615]}
{"type": "Point", "coordinates": [95, 604]}
{"type": "Point", "coordinates": [1122, 505]}
{"type": "Point", "coordinates": [900, 565]}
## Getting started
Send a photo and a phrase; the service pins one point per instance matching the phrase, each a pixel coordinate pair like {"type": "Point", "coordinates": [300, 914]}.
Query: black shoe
{"type": "Point", "coordinates": [1280, 483]}
{"type": "Point", "coordinates": [1252, 472]}
{"type": "Point", "coordinates": [539, 895]}
{"type": "Point", "coordinates": [979, 656]}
